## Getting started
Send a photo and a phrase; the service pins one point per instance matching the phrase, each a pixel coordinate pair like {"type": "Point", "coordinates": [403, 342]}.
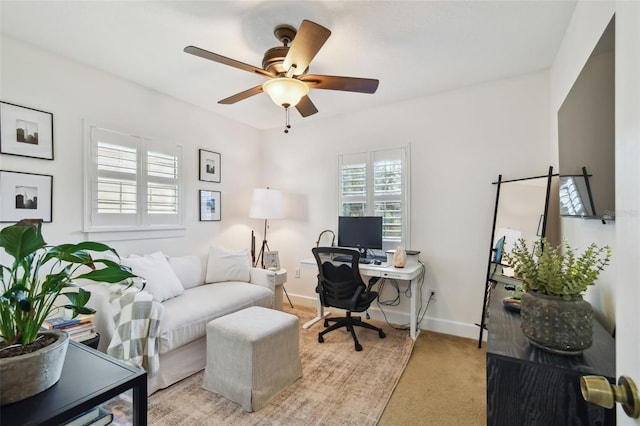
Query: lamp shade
{"type": "Point", "coordinates": [266, 204]}
{"type": "Point", "coordinates": [284, 91]}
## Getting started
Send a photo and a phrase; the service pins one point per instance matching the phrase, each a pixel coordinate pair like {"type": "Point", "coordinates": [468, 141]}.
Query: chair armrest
{"type": "Point", "coordinates": [263, 278]}
{"type": "Point", "coordinates": [354, 300]}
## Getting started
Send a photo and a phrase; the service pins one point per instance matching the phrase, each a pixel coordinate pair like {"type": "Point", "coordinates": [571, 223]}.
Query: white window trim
{"type": "Point", "coordinates": [406, 232]}
{"type": "Point", "coordinates": [142, 230]}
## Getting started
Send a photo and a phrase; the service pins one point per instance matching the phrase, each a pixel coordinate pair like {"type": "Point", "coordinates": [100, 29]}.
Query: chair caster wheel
{"type": "Point", "coordinates": [326, 323]}
{"type": "Point", "coordinates": [320, 339]}
{"type": "Point", "coordinates": [358, 347]}
{"type": "Point", "coordinates": [381, 334]}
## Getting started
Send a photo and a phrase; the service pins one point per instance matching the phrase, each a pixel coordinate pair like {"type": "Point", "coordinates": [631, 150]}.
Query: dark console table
{"type": "Point", "coordinates": [530, 386]}
{"type": "Point", "coordinates": [89, 378]}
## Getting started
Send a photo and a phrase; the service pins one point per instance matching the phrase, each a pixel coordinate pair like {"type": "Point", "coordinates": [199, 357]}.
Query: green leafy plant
{"type": "Point", "coordinates": [30, 289]}
{"type": "Point", "coordinates": [557, 271]}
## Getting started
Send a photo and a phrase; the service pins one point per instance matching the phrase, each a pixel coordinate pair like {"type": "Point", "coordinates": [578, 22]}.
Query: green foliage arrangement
{"type": "Point", "coordinates": [28, 296]}
{"type": "Point", "coordinates": [557, 271]}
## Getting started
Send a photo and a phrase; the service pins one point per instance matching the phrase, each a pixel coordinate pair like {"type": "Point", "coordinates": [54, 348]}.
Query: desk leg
{"type": "Point", "coordinates": [414, 331]}
{"type": "Point", "coordinates": [319, 316]}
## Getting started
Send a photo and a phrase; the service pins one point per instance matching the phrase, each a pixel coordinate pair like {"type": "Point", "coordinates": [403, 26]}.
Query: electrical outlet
{"type": "Point", "coordinates": [297, 272]}
{"type": "Point", "coordinates": [432, 294]}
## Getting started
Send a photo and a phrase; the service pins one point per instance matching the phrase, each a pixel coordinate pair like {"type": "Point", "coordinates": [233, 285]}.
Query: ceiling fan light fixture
{"type": "Point", "coordinates": [284, 91]}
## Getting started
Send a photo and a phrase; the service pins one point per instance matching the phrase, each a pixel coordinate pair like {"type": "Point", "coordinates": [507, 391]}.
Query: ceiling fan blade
{"type": "Point", "coordinates": [349, 84]}
{"type": "Point", "coordinates": [306, 44]}
{"type": "Point", "coordinates": [305, 107]}
{"type": "Point", "coordinates": [242, 95]}
{"type": "Point", "coordinates": [226, 61]}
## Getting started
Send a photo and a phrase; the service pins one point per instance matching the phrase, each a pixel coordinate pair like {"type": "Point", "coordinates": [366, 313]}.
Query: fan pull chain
{"type": "Point", "coordinates": [288, 126]}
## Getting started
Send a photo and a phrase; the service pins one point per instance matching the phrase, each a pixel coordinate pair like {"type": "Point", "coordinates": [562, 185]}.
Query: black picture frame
{"type": "Point", "coordinates": [26, 132]}
{"type": "Point", "coordinates": [210, 205]}
{"type": "Point", "coordinates": [25, 196]}
{"type": "Point", "coordinates": [210, 166]}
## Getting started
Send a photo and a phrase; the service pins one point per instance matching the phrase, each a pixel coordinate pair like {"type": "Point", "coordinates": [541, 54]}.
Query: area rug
{"type": "Point", "coordinates": [339, 386]}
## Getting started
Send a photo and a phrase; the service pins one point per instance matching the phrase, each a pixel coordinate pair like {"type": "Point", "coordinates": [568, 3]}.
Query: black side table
{"type": "Point", "coordinates": [89, 378]}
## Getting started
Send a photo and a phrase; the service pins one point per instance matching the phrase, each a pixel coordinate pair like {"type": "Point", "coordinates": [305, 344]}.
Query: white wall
{"type": "Point", "coordinates": [460, 142]}
{"type": "Point", "coordinates": [71, 91]}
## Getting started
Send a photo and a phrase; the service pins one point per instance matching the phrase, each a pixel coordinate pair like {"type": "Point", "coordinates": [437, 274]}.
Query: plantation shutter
{"type": "Point", "coordinates": [133, 183]}
{"type": "Point", "coordinates": [388, 193]}
{"type": "Point", "coordinates": [162, 186]}
{"type": "Point", "coordinates": [353, 188]}
{"type": "Point", "coordinates": [375, 184]}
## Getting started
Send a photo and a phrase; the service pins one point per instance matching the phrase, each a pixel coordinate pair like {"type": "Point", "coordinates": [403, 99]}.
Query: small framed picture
{"type": "Point", "coordinates": [25, 196]}
{"type": "Point", "coordinates": [271, 260]}
{"type": "Point", "coordinates": [209, 205]}
{"type": "Point", "coordinates": [26, 132]}
{"type": "Point", "coordinates": [209, 166]}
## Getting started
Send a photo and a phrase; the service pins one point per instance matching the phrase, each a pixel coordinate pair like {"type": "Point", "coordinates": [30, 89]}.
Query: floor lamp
{"type": "Point", "coordinates": [265, 204]}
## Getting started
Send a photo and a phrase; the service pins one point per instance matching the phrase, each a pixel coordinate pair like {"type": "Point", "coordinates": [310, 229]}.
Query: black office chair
{"type": "Point", "coordinates": [340, 286]}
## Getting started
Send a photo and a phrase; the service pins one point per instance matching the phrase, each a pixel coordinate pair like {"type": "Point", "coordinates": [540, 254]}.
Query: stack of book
{"type": "Point", "coordinates": [80, 328]}
{"type": "Point", "coordinates": [97, 416]}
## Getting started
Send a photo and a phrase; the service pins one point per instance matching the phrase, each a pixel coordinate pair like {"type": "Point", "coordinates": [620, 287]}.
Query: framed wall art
{"type": "Point", "coordinates": [26, 132]}
{"type": "Point", "coordinates": [271, 260]}
{"type": "Point", "coordinates": [25, 196]}
{"type": "Point", "coordinates": [209, 166]}
{"type": "Point", "coordinates": [209, 205]}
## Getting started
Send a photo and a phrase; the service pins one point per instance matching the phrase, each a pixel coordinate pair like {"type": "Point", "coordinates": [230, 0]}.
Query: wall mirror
{"type": "Point", "coordinates": [586, 134]}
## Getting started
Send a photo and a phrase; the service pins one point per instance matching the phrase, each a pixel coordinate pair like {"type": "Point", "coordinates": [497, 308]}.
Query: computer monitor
{"type": "Point", "coordinates": [361, 232]}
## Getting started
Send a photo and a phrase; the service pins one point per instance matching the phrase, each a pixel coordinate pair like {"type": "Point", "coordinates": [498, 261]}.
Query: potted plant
{"type": "Point", "coordinates": [39, 277]}
{"type": "Point", "coordinates": [554, 314]}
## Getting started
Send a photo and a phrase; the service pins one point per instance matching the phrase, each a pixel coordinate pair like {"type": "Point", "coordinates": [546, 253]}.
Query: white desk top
{"type": "Point", "coordinates": [384, 270]}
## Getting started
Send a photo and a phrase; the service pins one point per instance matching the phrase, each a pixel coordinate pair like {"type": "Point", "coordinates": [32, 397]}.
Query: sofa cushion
{"type": "Point", "coordinates": [227, 265]}
{"type": "Point", "coordinates": [185, 318]}
{"type": "Point", "coordinates": [188, 269]}
{"type": "Point", "coordinates": [162, 282]}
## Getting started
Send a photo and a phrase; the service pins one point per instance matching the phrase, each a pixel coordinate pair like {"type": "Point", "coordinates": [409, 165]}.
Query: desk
{"type": "Point", "coordinates": [89, 378]}
{"type": "Point", "coordinates": [408, 273]}
{"type": "Point", "coordinates": [498, 276]}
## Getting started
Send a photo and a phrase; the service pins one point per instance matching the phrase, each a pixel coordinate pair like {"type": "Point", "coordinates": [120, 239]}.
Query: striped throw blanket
{"type": "Point", "coordinates": [137, 321]}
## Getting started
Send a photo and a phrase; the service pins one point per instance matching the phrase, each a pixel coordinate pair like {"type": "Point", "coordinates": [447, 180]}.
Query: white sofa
{"type": "Point", "coordinates": [191, 295]}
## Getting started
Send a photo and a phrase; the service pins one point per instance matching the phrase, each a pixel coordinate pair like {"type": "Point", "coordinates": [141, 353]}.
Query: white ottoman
{"type": "Point", "coordinates": [252, 355]}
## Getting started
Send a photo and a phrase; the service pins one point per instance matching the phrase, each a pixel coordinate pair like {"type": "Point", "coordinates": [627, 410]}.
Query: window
{"type": "Point", "coordinates": [376, 184]}
{"type": "Point", "coordinates": [132, 182]}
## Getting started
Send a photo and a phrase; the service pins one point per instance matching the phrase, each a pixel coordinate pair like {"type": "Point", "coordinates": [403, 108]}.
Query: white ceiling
{"type": "Point", "coordinates": [414, 48]}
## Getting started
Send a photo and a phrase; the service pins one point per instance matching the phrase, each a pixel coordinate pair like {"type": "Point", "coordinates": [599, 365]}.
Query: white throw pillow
{"type": "Point", "coordinates": [227, 265]}
{"type": "Point", "coordinates": [188, 269]}
{"type": "Point", "coordinates": [162, 282]}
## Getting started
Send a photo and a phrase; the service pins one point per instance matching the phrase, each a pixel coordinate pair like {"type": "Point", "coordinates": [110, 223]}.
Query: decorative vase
{"type": "Point", "coordinates": [560, 326]}
{"type": "Point", "coordinates": [26, 375]}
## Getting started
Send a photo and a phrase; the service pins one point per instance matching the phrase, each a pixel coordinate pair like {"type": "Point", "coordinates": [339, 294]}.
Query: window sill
{"type": "Point", "coordinates": [123, 234]}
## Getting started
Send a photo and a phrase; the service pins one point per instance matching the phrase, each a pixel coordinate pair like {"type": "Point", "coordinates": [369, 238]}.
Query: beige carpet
{"type": "Point", "coordinates": [339, 385]}
{"type": "Point", "coordinates": [444, 384]}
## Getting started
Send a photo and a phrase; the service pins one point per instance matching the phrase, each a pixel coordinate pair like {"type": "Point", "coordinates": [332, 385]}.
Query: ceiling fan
{"type": "Point", "coordinates": [286, 68]}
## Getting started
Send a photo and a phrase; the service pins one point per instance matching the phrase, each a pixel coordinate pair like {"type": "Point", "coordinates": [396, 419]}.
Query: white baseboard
{"type": "Point", "coordinates": [454, 328]}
